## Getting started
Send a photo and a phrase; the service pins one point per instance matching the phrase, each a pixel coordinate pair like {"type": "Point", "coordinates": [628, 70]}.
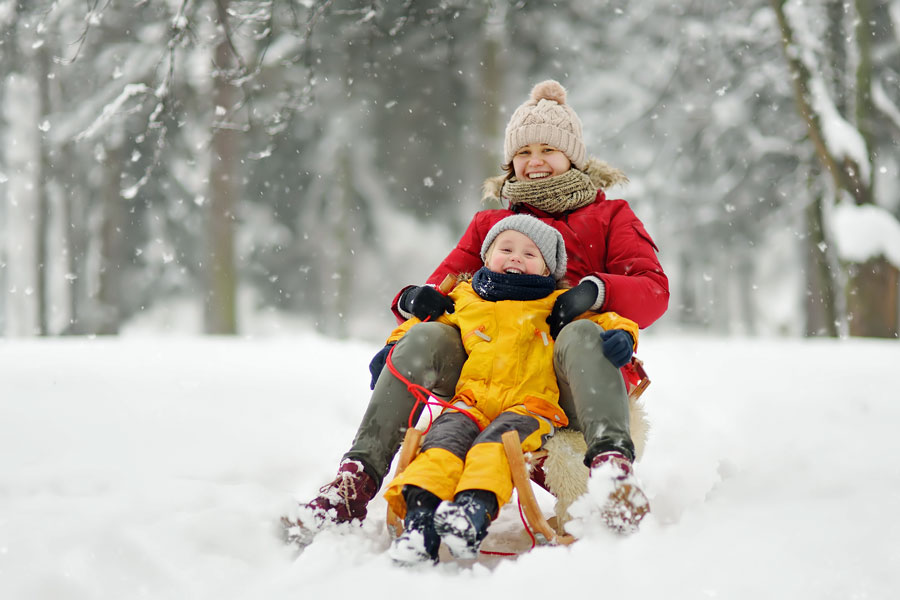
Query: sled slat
{"type": "Point", "coordinates": [447, 284]}
{"type": "Point", "coordinates": [408, 451]}
{"type": "Point", "coordinates": [638, 367]}
{"type": "Point", "coordinates": [522, 481]}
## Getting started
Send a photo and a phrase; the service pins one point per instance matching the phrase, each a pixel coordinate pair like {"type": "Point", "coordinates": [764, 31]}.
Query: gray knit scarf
{"type": "Point", "coordinates": [573, 189]}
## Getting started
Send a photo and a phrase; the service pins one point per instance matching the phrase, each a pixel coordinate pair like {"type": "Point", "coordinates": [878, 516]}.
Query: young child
{"type": "Point", "coordinates": [507, 383]}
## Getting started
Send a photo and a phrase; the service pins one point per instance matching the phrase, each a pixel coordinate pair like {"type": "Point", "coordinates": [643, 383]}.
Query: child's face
{"type": "Point", "coordinates": [537, 161]}
{"type": "Point", "coordinates": [514, 252]}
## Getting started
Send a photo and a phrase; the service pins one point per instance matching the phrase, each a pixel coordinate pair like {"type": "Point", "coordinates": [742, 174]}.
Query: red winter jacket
{"type": "Point", "coordinates": [604, 239]}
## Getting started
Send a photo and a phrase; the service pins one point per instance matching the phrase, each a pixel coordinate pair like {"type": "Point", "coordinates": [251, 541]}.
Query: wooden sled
{"type": "Point", "coordinates": [411, 442]}
{"type": "Point", "coordinates": [520, 467]}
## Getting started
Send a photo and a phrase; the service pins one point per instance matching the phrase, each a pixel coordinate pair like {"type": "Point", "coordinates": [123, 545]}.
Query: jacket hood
{"type": "Point", "coordinates": [603, 176]}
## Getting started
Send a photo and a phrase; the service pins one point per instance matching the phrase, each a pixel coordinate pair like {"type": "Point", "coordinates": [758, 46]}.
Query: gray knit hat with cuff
{"type": "Point", "coordinates": [545, 118]}
{"type": "Point", "coordinates": [548, 240]}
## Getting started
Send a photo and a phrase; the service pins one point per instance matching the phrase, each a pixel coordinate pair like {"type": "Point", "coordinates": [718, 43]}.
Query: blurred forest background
{"type": "Point", "coordinates": [305, 159]}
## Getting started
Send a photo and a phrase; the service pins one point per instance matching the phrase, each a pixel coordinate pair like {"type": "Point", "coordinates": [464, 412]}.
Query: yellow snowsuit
{"type": "Point", "coordinates": [509, 372]}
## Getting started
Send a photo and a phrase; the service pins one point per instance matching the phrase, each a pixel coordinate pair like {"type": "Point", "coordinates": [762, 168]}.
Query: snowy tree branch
{"type": "Point", "coordinates": [114, 108]}
{"type": "Point", "coordinates": [883, 103]}
{"type": "Point", "coordinates": [822, 117]}
{"type": "Point", "coordinates": [92, 18]}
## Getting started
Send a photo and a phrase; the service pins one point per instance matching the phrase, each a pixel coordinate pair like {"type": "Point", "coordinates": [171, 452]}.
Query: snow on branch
{"type": "Point", "coordinates": [865, 232]}
{"type": "Point", "coordinates": [844, 141]}
{"type": "Point", "coordinates": [155, 122]}
{"type": "Point", "coordinates": [839, 144]}
{"type": "Point", "coordinates": [883, 102]}
{"type": "Point", "coordinates": [129, 91]}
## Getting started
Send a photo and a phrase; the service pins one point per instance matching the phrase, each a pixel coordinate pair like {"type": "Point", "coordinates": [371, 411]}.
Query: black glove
{"type": "Point", "coordinates": [618, 345]}
{"type": "Point", "coordinates": [377, 364]}
{"type": "Point", "coordinates": [425, 302]}
{"type": "Point", "coordinates": [571, 304]}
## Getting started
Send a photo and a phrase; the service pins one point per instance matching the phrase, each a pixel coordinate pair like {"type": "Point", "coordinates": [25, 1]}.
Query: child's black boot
{"type": "Point", "coordinates": [463, 523]}
{"type": "Point", "coordinates": [419, 543]}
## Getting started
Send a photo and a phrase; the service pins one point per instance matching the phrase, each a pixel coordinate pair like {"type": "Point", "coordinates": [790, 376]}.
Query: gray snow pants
{"type": "Point", "coordinates": [592, 391]}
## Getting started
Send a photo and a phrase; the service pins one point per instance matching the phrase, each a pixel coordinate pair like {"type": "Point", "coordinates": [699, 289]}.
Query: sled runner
{"type": "Point", "coordinates": [536, 468]}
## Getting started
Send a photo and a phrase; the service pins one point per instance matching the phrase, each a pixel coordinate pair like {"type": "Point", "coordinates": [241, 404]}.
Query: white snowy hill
{"type": "Point", "coordinates": [157, 468]}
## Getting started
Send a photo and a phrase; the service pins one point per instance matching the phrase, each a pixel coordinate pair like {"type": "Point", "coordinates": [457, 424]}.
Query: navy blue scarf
{"type": "Point", "coordinates": [510, 286]}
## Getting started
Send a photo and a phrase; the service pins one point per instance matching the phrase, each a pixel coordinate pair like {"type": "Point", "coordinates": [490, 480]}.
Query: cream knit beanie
{"type": "Point", "coordinates": [546, 119]}
{"type": "Point", "coordinates": [548, 240]}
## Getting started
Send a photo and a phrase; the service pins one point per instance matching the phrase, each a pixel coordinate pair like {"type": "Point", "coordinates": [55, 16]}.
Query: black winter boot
{"type": "Point", "coordinates": [463, 523]}
{"type": "Point", "coordinates": [419, 543]}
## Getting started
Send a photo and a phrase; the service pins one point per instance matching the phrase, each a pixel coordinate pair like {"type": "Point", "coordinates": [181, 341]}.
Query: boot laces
{"type": "Point", "coordinates": [344, 485]}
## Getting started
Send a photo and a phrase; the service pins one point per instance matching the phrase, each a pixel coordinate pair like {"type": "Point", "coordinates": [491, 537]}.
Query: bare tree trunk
{"type": "Point", "coordinates": [78, 204]}
{"type": "Point", "coordinates": [835, 39]}
{"type": "Point", "coordinates": [343, 259]}
{"type": "Point", "coordinates": [42, 211]}
{"type": "Point", "coordinates": [872, 294]}
{"type": "Point", "coordinates": [21, 235]}
{"type": "Point", "coordinates": [872, 298]}
{"type": "Point", "coordinates": [745, 276]}
{"type": "Point", "coordinates": [112, 247]}
{"type": "Point", "coordinates": [21, 154]}
{"type": "Point", "coordinates": [75, 243]}
{"type": "Point", "coordinates": [688, 308]}
{"type": "Point", "coordinates": [821, 306]}
{"type": "Point", "coordinates": [220, 309]}
{"type": "Point", "coordinates": [865, 109]}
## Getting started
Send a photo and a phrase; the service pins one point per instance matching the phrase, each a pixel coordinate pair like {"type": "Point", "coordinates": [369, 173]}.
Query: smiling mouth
{"type": "Point", "coordinates": [513, 271]}
{"type": "Point", "coordinates": [538, 175]}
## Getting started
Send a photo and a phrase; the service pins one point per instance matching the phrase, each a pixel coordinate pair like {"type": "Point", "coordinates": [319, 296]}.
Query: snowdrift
{"type": "Point", "coordinates": [158, 468]}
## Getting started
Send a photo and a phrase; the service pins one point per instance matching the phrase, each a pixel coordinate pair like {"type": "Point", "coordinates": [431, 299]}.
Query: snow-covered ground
{"type": "Point", "coordinates": [158, 468]}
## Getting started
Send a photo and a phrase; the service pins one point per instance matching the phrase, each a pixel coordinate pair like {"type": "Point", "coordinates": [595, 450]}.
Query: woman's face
{"type": "Point", "coordinates": [537, 161]}
{"type": "Point", "coordinates": [514, 252]}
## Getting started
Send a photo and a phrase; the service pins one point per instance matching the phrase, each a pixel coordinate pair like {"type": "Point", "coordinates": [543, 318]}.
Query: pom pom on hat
{"type": "Point", "coordinates": [545, 118]}
{"type": "Point", "coordinates": [548, 240]}
{"type": "Point", "coordinates": [549, 90]}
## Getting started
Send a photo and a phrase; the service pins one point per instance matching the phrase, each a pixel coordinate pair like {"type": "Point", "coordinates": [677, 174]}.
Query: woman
{"type": "Point", "coordinates": [610, 256]}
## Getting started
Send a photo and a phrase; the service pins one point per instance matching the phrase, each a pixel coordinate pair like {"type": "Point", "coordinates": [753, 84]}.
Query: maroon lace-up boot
{"type": "Point", "coordinates": [627, 504]}
{"type": "Point", "coordinates": [340, 501]}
